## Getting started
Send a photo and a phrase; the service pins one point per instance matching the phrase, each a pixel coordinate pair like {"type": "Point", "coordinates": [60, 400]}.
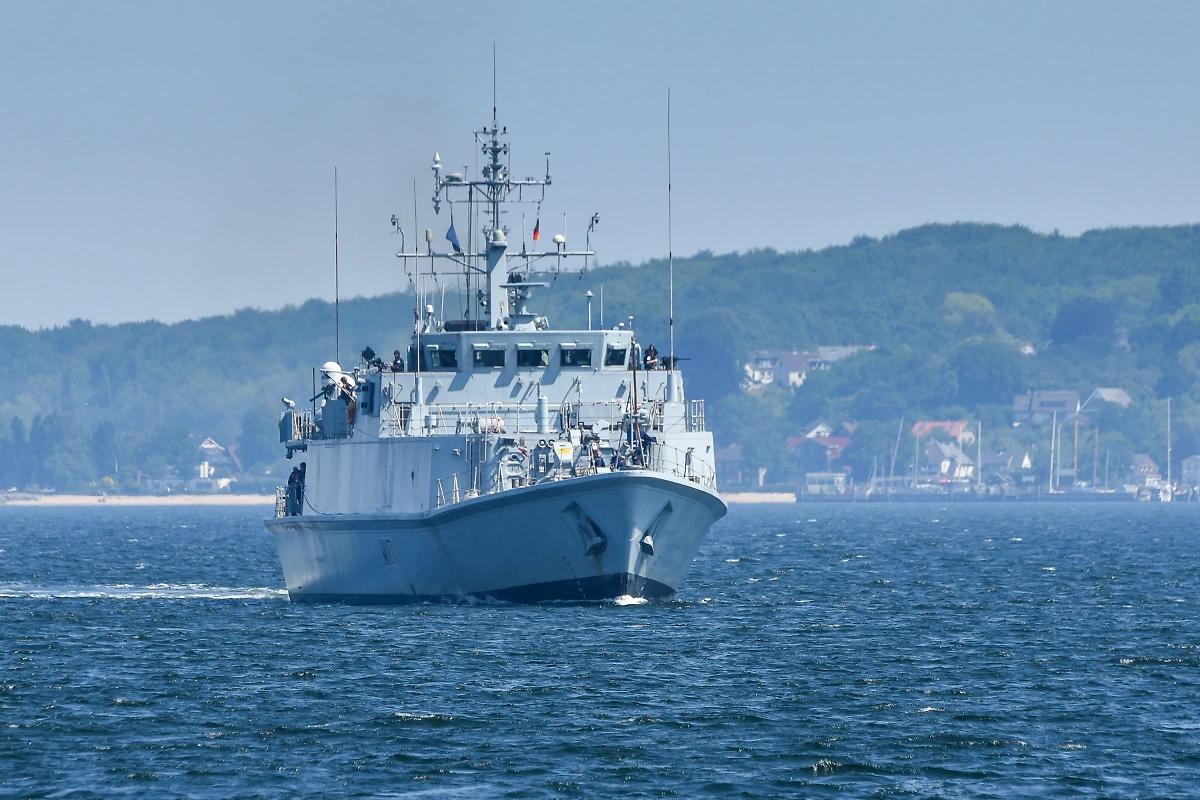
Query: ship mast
{"type": "Point", "coordinates": [503, 300]}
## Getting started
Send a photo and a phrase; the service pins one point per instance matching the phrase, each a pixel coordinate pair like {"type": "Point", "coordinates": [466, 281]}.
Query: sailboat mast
{"type": "Point", "coordinates": [1169, 444]}
{"type": "Point", "coordinates": [979, 456]}
{"type": "Point", "coordinates": [1053, 434]}
{"type": "Point", "coordinates": [1075, 469]}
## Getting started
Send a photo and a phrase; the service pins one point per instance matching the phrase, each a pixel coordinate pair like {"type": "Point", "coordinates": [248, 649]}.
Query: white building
{"type": "Point", "coordinates": [1191, 472]}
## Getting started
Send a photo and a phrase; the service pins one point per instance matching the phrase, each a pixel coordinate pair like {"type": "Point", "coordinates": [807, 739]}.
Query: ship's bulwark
{"type": "Point", "coordinates": [592, 538]}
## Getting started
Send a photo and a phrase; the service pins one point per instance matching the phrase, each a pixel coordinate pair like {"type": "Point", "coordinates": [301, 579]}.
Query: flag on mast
{"type": "Point", "coordinates": [452, 237]}
{"type": "Point", "coordinates": [537, 229]}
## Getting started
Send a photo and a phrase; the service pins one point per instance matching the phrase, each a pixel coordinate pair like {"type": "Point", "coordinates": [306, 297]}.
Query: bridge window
{"type": "Point", "coordinates": [441, 358]}
{"type": "Point", "coordinates": [488, 358]}
{"type": "Point", "coordinates": [614, 356]}
{"type": "Point", "coordinates": [575, 357]}
{"type": "Point", "coordinates": [533, 357]}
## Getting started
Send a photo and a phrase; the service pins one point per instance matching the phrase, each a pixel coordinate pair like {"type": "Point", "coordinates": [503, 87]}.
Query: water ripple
{"type": "Point", "coordinates": [951, 651]}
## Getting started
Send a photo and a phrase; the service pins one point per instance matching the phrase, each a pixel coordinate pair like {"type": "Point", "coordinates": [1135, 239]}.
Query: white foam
{"type": "Point", "coordinates": [627, 600]}
{"type": "Point", "coordinates": [158, 591]}
{"type": "Point", "coordinates": [422, 716]}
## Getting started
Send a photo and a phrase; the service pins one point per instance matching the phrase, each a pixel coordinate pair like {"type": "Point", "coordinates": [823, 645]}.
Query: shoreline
{"type": "Point", "coordinates": [60, 500]}
{"type": "Point", "coordinates": [759, 497]}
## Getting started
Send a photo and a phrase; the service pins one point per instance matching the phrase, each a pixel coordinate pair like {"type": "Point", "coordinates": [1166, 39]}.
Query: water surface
{"type": "Point", "coordinates": [909, 650]}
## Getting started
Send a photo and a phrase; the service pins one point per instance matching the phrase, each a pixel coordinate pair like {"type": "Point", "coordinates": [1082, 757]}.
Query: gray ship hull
{"type": "Point", "coordinates": [590, 538]}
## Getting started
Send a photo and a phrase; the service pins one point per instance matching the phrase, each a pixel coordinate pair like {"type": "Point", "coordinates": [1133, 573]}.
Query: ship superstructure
{"type": "Point", "coordinates": [505, 459]}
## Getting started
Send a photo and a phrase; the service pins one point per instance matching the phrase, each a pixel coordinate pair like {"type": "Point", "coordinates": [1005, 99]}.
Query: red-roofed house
{"type": "Point", "coordinates": [809, 450]}
{"type": "Point", "coordinates": [962, 431]}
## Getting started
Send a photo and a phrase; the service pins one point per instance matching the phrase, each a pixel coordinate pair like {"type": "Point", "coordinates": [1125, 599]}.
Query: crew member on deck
{"type": "Point", "coordinates": [651, 359]}
{"type": "Point", "coordinates": [300, 488]}
{"type": "Point", "coordinates": [293, 492]}
{"type": "Point", "coordinates": [397, 362]}
{"type": "Point", "coordinates": [351, 405]}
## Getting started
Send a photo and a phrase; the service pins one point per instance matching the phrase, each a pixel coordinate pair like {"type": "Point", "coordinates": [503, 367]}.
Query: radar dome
{"type": "Point", "coordinates": [332, 371]}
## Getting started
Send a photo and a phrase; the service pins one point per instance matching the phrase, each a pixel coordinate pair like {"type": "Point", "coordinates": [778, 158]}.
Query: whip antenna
{"type": "Point", "coordinates": [337, 318]}
{"type": "Point", "coordinates": [670, 244]}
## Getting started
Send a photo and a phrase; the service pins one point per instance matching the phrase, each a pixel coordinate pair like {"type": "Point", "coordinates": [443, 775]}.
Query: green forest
{"type": "Point", "coordinates": [947, 307]}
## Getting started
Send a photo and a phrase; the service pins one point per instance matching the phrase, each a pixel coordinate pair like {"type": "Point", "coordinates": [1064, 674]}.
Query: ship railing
{"type": "Point", "coordinates": [450, 491]}
{"type": "Point", "coordinates": [395, 423]}
{"type": "Point", "coordinates": [281, 501]}
{"type": "Point", "coordinates": [498, 417]}
{"type": "Point", "coordinates": [686, 464]}
{"type": "Point", "coordinates": [681, 463]}
{"type": "Point", "coordinates": [521, 418]}
{"type": "Point", "coordinates": [297, 424]}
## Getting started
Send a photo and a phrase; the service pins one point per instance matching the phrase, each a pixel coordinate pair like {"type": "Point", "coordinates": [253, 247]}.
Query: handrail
{"type": "Point", "coordinates": [685, 464]}
{"type": "Point", "coordinates": [691, 467]}
{"type": "Point", "coordinates": [498, 417]}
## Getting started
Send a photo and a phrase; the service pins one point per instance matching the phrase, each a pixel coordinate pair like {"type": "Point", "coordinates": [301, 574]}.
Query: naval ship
{"type": "Point", "coordinates": [503, 458]}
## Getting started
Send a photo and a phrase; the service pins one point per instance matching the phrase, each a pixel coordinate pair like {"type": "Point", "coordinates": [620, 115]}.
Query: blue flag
{"type": "Point", "coordinates": [452, 237]}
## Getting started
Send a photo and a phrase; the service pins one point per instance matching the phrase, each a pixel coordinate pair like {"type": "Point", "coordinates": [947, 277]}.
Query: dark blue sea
{"type": "Point", "coordinates": [907, 650]}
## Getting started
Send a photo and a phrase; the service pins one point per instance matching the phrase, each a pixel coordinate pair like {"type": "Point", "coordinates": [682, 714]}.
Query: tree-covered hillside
{"type": "Point", "coordinates": [947, 306]}
{"type": "Point", "coordinates": [90, 401]}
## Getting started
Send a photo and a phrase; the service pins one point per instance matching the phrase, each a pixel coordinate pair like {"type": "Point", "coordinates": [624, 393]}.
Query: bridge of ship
{"type": "Point", "coordinates": [550, 397]}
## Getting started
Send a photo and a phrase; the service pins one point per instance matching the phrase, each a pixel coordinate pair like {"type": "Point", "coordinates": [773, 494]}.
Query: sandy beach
{"type": "Point", "coordinates": [141, 500]}
{"type": "Point", "coordinates": [759, 497]}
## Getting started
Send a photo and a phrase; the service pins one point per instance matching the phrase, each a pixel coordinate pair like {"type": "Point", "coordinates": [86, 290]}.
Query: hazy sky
{"type": "Point", "coordinates": [169, 160]}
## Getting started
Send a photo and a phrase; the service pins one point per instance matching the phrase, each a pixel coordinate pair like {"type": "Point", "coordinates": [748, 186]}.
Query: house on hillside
{"type": "Point", "coordinates": [962, 432]}
{"type": "Point", "coordinates": [817, 453]}
{"type": "Point", "coordinates": [218, 457]}
{"type": "Point", "coordinates": [946, 460]}
{"type": "Point", "coordinates": [818, 429]}
{"type": "Point", "coordinates": [1039, 408]}
{"type": "Point", "coordinates": [788, 369]}
{"type": "Point", "coordinates": [1101, 398]}
{"type": "Point", "coordinates": [1002, 468]}
{"type": "Point", "coordinates": [216, 460]}
{"type": "Point", "coordinates": [1145, 471]}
